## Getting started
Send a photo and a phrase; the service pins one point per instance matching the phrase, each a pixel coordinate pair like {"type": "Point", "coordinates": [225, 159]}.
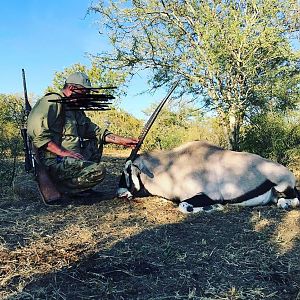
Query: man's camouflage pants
{"type": "Point", "coordinates": [74, 175]}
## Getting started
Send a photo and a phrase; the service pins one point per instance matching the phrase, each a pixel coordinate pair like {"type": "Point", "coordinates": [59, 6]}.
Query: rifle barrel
{"type": "Point", "coordinates": [27, 106]}
{"type": "Point", "coordinates": [29, 159]}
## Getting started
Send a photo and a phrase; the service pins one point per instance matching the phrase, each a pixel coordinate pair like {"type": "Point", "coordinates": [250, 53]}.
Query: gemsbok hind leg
{"type": "Point", "coordinates": [290, 199]}
{"type": "Point", "coordinates": [199, 203]}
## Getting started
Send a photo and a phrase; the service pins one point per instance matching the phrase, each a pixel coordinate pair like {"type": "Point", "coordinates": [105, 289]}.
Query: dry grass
{"type": "Point", "coordinates": [145, 249]}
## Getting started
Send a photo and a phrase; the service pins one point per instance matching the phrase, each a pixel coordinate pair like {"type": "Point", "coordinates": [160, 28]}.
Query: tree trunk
{"type": "Point", "coordinates": [231, 123]}
{"type": "Point", "coordinates": [234, 133]}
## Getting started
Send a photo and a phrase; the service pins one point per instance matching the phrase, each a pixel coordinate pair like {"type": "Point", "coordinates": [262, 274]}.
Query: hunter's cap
{"type": "Point", "coordinates": [79, 78]}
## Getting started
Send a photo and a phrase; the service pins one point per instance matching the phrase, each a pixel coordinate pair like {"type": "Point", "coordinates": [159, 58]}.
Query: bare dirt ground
{"type": "Point", "coordinates": [145, 249]}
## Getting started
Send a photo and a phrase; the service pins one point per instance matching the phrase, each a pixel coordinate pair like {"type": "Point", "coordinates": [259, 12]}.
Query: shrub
{"type": "Point", "coordinates": [274, 136]}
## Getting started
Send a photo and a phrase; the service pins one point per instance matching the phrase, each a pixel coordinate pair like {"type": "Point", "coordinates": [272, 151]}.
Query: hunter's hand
{"type": "Point", "coordinates": [128, 142]}
{"type": "Point", "coordinates": [59, 151]}
{"type": "Point", "coordinates": [70, 153]}
{"type": "Point", "coordinates": [119, 140]}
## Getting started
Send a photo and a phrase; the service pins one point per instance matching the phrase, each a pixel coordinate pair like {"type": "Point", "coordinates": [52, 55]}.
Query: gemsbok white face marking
{"type": "Point", "coordinates": [131, 173]}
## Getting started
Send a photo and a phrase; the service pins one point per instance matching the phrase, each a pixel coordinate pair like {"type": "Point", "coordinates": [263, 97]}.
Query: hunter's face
{"type": "Point", "coordinates": [79, 89]}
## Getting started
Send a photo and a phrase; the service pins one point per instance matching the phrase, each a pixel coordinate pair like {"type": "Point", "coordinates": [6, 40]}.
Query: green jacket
{"type": "Point", "coordinates": [72, 129]}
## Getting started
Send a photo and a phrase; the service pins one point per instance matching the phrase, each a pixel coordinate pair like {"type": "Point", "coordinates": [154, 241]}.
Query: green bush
{"type": "Point", "coordinates": [274, 136]}
{"type": "Point", "coordinates": [10, 140]}
{"type": "Point", "coordinates": [117, 121]}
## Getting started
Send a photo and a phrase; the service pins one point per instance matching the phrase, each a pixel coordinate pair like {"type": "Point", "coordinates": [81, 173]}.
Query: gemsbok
{"type": "Point", "coordinates": [204, 177]}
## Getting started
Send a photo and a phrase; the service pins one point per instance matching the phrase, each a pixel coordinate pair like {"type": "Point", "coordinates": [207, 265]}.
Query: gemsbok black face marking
{"type": "Point", "coordinates": [199, 174]}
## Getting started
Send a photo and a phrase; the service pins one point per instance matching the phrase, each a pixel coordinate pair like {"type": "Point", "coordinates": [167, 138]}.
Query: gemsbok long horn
{"type": "Point", "coordinates": [147, 127]}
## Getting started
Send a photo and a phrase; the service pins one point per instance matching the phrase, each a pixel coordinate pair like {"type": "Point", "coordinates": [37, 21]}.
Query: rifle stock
{"type": "Point", "coordinates": [28, 157]}
{"type": "Point", "coordinates": [46, 186]}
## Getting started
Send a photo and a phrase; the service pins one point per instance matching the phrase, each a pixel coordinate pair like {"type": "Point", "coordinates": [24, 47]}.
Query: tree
{"type": "Point", "coordinates": [177, 124]}
{"type": "Point", "coordinates": [274, 136]}
{"type": "Point", "coordinates": [235, 56]}
{"type": "Point", "coordinates": [11, 117]}
{"type": "Point", "coordinates": [117, 121]}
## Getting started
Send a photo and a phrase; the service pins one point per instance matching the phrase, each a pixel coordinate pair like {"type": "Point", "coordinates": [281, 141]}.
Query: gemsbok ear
{"type": "Point", "coordinates": [144, 169]}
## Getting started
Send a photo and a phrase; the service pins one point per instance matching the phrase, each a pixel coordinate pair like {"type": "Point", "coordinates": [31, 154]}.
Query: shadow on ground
{"type": "Point", "coordinates": [217, 256]}
{"type": "Point", "coordinates": [24, 213]}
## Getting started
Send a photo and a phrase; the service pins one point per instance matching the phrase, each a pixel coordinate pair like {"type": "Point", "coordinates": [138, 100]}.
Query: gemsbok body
{"type": "Point", "coordinates": [202, 176]}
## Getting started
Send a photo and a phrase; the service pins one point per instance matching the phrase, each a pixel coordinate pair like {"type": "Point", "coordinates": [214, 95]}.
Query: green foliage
{"type": "Point", "coordinates": [11, 116]}
{"type": "Point", "coordinates": [235, 54]}
{"type": "Point", "coordinates": [175, 125]}
{"type": "Point", "coordinates": [117, 121]}
{"type": "Point", "coordinates": [178, 124]}
{"type": "Point", "coordinates": [274, 136]}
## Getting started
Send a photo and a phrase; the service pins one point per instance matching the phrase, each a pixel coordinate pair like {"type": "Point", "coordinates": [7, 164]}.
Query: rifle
{"type": "Point", "coordinates": [29, 158]}
{"type": "Point", "coordinates": [46, 186]}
